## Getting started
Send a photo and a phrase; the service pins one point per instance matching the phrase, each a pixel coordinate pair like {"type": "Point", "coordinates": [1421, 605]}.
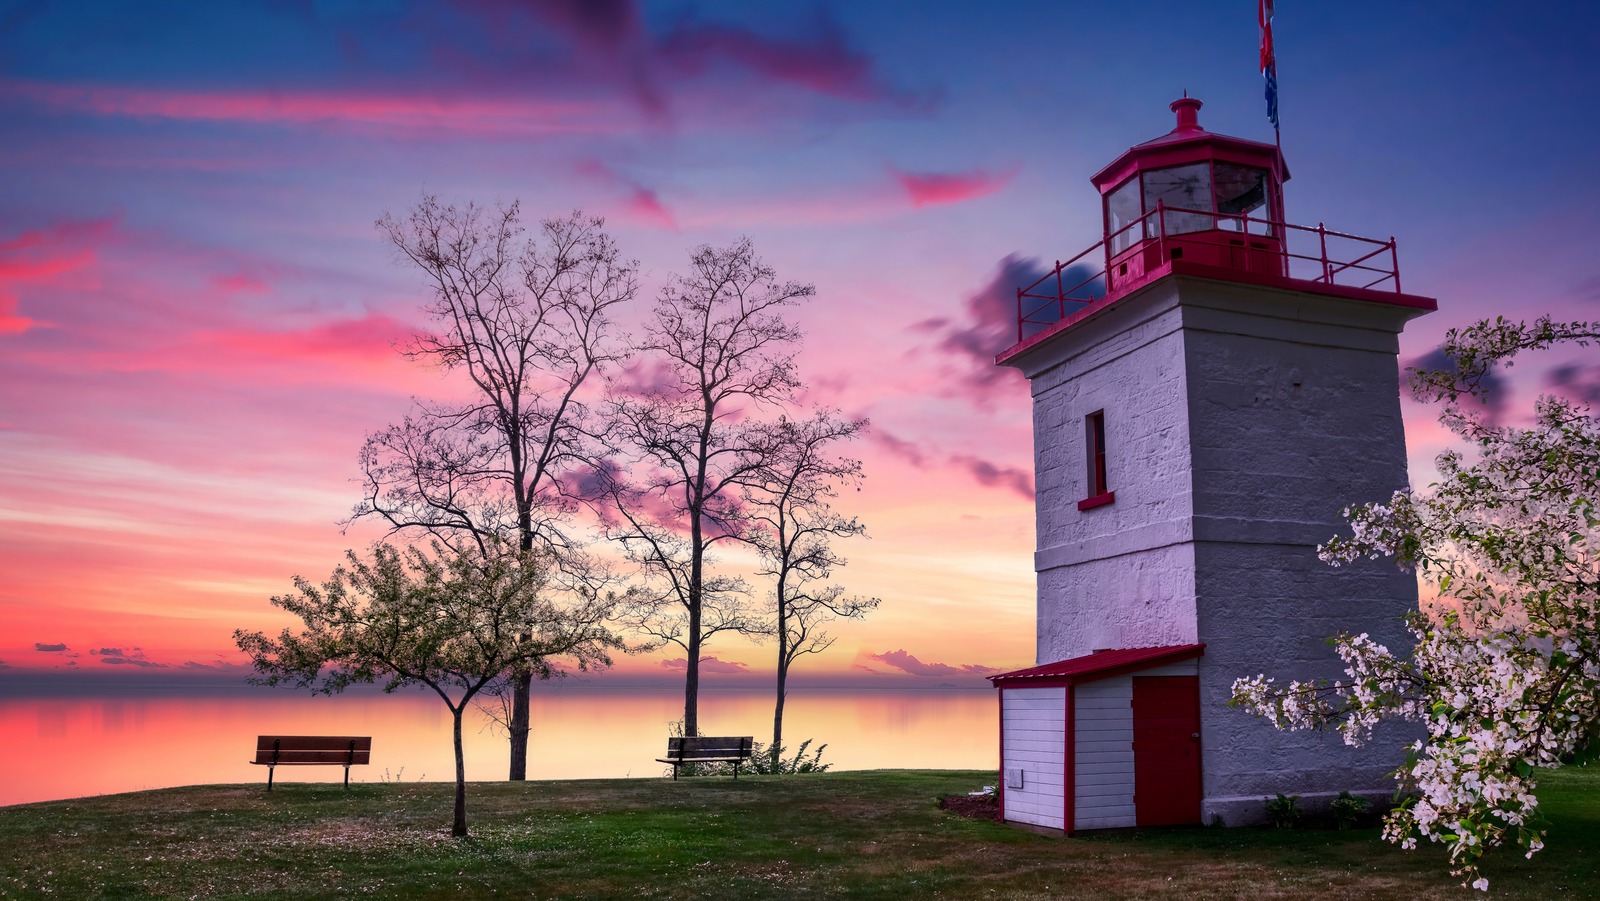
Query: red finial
{"type": "Point", "coordinates": [1188, 109]}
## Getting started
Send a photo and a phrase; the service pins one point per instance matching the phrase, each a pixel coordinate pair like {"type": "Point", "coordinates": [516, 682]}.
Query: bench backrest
{"type": "Point", "coordinates": [700, 746]}
{"type": "Point", "coordinates": [293, 749]}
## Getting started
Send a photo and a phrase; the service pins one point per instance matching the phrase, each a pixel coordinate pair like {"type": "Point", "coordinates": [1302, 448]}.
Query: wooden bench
{"type": "Point", "coordinates": [273, 751]}
{"type": "Point", "coordinates": [707, 749]}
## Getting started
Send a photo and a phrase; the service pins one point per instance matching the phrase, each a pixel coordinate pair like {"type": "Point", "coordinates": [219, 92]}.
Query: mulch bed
{"type": "Point", "coordinates": [978, 808]}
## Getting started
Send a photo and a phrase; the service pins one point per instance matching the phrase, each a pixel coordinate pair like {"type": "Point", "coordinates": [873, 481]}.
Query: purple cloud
{"type": "Point", "coordinates": [993, 474]}
{"type": "Point", "coordinates": [1580, 384]}
{"type": "Point", "coordinates": [48, 648]}
{"type": "Point", "coordinates": [1492, 400]}
{"type": "Point", "coordinates": [131, 657]}
{"type": "Point", "coordinates": [906, 663]}
{"type": "Point", "coordinates": [707, 665]}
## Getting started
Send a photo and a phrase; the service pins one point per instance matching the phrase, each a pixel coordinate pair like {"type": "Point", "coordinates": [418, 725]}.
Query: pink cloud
{"type": "Point", "coordinates": [239, 283]}
{"type": "Point", "coordinates": [514, 114]}
{"type": "Point", "coordinates": [647, 208]}
{"type": "Point", "coordinates": [643, 205]}
{"type": "Point", "coordinates": [825, 64]}
{"type": "Point", "coordinates": [906, 663]}
{"type": "Point", "coordinates": [707, 665]}
{"type": "Point", "coordinates": [905, 450]}
{"type": "Point", "coordinates": [369, 338]}
{"type": "Point", "coordinates": [39, 256]}
{"type": "Point", "coordinates": [936, 188]}
{"type": "Point", "coordinates": [986, 472]}
{"type": "Point", "coordinates": [992, 474]}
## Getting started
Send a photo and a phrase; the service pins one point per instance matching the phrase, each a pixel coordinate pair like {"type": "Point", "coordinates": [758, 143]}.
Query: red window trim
{"type": "Point", "coordinates": [1099, 500]}
{"type": "Point", "coordinates": [1094, 436]}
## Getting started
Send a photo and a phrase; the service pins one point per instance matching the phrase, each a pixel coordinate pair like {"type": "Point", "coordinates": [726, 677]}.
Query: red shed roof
{"type": "Point", "coordinates": [1099, 665]}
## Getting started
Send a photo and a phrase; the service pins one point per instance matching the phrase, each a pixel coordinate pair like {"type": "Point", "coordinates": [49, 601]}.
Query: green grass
{"type": "Point", "coordinates": [854, 834]}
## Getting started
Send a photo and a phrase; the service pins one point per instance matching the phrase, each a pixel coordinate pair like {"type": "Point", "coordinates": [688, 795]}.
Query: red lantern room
{"type": "Point", "coordinates": [1203, 205]}
{"type": "Point", "coordinates": [1195, 196]}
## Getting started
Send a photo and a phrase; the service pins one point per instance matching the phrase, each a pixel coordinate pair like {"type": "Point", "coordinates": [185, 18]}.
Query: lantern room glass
{"type": "Point", "coordinates": [1242, 191]}
{"type": "Point", "coordinates": [1179, 188]}
{"type": "Point", "coordinates": [1122, 214]}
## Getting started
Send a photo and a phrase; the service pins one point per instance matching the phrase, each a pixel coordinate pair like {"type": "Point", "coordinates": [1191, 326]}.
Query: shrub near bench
{"type": "Point", "coordinates": [707, 749]}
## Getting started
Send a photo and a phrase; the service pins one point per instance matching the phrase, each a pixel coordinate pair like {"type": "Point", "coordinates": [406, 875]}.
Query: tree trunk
{"type": "Point", "coordinates": [459, 829]}
{"type": "Point", "coordinates": [691, 676]}
{"type": "Point", "coordinates": [520, 725]}
{"type": "Point", "coordinates": [777, 716]}
{"type": "Point", "coordinates": [521, 682]}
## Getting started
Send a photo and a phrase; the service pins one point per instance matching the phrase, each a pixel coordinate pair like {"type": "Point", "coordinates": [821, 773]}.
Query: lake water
{"type": "Point", "coordinates": [62, 747]}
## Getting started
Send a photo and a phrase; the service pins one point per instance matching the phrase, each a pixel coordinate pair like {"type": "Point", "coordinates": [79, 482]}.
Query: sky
{"type": "Point", "coordinates": [197, 315]}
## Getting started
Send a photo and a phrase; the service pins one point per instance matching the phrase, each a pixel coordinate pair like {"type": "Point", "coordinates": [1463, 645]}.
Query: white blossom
{"type": "Point", "coordinates": [1505, 672]}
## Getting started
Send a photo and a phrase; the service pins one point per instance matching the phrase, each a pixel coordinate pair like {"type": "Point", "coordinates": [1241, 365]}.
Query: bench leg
{"type": "Point", "coordinates": [736, 769]}
{"type": "Point", "coordinates": [270, 771]}
{"type": "Point", "coordinates": [675, 772]}
{"type": "Point", "coordinates": [347, 778]}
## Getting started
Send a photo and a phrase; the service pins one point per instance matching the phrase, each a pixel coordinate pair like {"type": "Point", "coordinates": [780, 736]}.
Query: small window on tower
{"type": "Point", "coordinates": [1100, 492]}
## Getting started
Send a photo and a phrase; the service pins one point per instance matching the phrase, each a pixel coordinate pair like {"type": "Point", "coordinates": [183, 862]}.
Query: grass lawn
{"type": "Point", "coordinates": [854, 834]}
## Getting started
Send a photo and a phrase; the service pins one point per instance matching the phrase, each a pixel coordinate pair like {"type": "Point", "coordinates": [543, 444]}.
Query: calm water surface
{"type": "Point", "coordinates": [65, 747]}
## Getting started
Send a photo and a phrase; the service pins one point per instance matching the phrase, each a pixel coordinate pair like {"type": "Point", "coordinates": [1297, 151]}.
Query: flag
{"type": "Point", "coordinates": [1269, 61]}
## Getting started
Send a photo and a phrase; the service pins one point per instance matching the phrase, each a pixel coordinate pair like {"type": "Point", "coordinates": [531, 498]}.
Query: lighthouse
{"type": "Point", "coordinates": [1211, 386]}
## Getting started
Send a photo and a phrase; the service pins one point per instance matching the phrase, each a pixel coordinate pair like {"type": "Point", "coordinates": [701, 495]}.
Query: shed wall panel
{"type": "Point", "coordinates": [1033, 740]}
{"type": "Point", "coordinates": [1102, 719]}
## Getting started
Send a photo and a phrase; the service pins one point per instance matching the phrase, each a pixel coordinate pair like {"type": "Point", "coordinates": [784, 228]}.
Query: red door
{"type": "Point", "coordinates": [1166, 750]}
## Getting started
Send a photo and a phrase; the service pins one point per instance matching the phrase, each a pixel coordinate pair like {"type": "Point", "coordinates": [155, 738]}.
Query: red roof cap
{"type": "Point", "coordinates": [1102, 664]}
{"type": "Point", "coordinates": [1188, 141]}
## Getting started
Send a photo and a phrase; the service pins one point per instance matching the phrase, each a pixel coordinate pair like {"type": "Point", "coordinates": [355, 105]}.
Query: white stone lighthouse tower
{"type": "Point", "coordinates": [1211, 386]}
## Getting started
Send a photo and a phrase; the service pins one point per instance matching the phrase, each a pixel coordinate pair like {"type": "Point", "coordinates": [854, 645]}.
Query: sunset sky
{"type": "Point", "coordinates": [196, 312]}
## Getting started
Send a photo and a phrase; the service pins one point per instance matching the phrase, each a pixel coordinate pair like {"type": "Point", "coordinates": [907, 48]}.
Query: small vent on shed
{"type": "Point", "coordinates": [1014, 778]}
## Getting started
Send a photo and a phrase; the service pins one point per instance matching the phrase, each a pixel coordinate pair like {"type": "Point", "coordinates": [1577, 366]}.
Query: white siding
{"type": "Point", "coordinates": [1033, 739]}
{"type": "Point", "coordinates": [1102, 719]}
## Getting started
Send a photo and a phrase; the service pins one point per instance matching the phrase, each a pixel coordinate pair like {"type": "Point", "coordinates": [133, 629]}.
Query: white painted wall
{"type": "Point", "coordinates": [1239, 420]}
{"type": "Point", "coordinates": [1294, 409]}
{"type": "Point", "coordinates": [1033, 739]}
{"type": "Point", "coordinates": [1120, 575]}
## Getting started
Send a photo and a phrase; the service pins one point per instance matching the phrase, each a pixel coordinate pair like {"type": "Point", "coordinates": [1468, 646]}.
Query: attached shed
{"type": "Point", "coordinates": [1105, 740]}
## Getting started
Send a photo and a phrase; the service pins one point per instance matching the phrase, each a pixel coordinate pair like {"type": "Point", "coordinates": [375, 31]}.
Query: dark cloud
{"type": "Point", "coordinates": [130, 657]}
{"type": "Point", "coordinates": [573, 47]}
{"type": "Point", "coordinates": [905, 662]}
{"type": "Point", "coordinates": [4, 665]}
{"type": "Point", "coordinates": [1492, 400]}
{"type": "Point", "coordinates": [707, 665]}
{"type": "Point", "coordinates": [993, 474]}
{"type": "Point", "coordinates": [48, 648]}
{"type": "Point", "coordinates": [988, 325]}
{"type": "Point", "coordinates": [986, 472]}
{"type": "Point", "coordinates": [132, 661]}
{"type": "Point", "coordinates": [821, 61]}
{"type": "Point", "coordinates": [905, 450]}
{"type": "Point", "coordinates": [1577, 383]}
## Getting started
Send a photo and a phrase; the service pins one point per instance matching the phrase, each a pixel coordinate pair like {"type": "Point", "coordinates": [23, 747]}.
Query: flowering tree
{"type": "Point", "coordinates": [1505, 673]}
{"type": "Point", "coordinates": [455, 622]}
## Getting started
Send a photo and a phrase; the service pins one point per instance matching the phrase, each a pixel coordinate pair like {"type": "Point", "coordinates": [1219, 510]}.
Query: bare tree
{"type": "Point", "coordinates": [725, 353]}
{"type": "Point", "coordinates": [455, 622]}
{"type": "Point", "coordinates": [528, 322]}
{"type": "Point", "coordinates": [789, 501]}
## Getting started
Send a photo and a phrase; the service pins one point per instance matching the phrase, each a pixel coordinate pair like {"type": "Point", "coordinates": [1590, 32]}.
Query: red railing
{"type": "Point", "coordinates": [1336, 259]}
